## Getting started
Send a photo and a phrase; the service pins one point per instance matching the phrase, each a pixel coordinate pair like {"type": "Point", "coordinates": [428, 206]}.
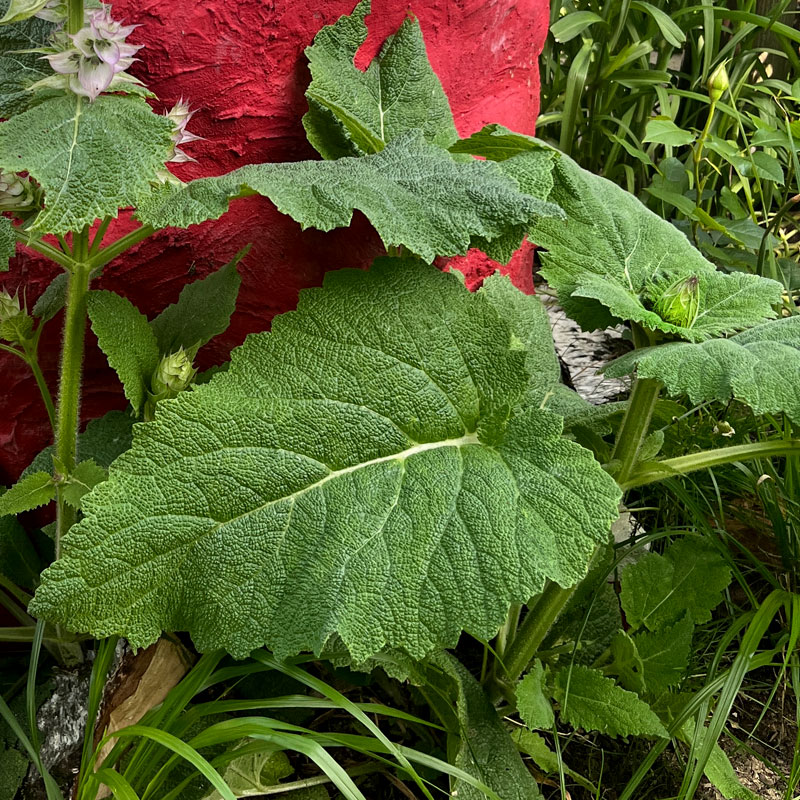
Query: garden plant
{"type": "Point", "coordinates": [393, 480]}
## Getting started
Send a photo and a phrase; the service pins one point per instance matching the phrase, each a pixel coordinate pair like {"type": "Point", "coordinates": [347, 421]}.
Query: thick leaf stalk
{"type": "Point", "coordinates": [74, 16]}
{"type": "Point", "coordinates": [635, 426]}
{"type": "Point", "coordinates": [67, 413]}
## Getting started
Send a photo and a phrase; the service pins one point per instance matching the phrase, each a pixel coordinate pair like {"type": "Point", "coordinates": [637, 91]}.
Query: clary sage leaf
{"type": "Point", "coordinates": [8, 242]}
{"type": "Point", "coordinates": [412, 192]}
{"type": "Point", "coordinates": [91, 159]}
{"type": "Point", "coordinates": [355, 112]}
{"type": "Point", "coordinates": [368, 453]}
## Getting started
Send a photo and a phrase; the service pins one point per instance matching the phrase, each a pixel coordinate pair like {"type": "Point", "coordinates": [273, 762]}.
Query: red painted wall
{"type": "Point", "coordinates": [241, 65]}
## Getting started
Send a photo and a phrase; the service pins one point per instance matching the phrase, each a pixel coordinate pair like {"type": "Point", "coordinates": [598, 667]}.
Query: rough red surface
{"type": "Point", "coordinates": [241, 65]}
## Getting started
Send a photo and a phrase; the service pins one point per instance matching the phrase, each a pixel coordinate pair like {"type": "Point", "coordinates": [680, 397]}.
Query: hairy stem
{"type": "Point", "coordinates": [53, 253]}
{"type": "Point", "coordinates": [673, 467]}
{"type": "Point", "coordinates": [67, 415]}
{"type": "Point", "coordinates": [32, 359]}
{"type": "Point", "coordinates": [74, 15]}
{"type": "Point", "coordinates": [538, 621]}
{"type": "Point", "coordinates": [635, 425]}
{"type": "Point", "coordinates": [101, 257]}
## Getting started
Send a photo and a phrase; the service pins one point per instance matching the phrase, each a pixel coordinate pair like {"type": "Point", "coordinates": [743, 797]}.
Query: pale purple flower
{"type": "Point", "coordinates": [180, 115]}
{"type": "Point", "coordinates": [98, 53]}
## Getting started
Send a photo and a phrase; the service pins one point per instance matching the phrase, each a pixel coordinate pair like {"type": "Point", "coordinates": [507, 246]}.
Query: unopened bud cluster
{"type": "Point", "coordinates": [16, 326]}
{"type": "Point", "coordinates": [679, 303]}
{"type": "Point", "coordinates": [15, 192]}
{"type": "Point", "coordinates": [174, 373]}
{"type": "Point", "coordinates": [180, 115]}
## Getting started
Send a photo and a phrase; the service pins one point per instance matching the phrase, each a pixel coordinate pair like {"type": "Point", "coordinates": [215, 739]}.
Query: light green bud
{"type": "Point", "coordinates": [679, 303]}
{"type": "Point", "coordinates": [15, 324]}
{"type": "Point", "coordinates": [718, 83]}
{"type": "Point", "coordinates": [9, 306]}
{"type": "Point", "coordinates": [174, 374]}
{"type": "Point", "coordinates": [15, 192]}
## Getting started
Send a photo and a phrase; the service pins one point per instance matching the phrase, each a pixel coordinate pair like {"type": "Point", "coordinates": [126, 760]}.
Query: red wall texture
{"type": "Point", "coordinates": [241, 65]}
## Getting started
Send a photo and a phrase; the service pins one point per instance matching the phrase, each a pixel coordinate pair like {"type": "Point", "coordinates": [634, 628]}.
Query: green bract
{"type": "Point", "coordinates": [355, 112]}
{"type": "Point", "coordinates": [365, 454]}
{"type": "Point", "coordinates": [412, 192]}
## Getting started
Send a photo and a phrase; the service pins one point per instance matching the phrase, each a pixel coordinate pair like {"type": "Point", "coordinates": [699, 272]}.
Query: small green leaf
{"type": "Point", "coordinates": [127, 340]}
{"type": "Point", "coordinates": [535, 746]}
{"type": "Point", "coordinates": [412, 192]}
{"type": "Point", "coordinates": [486, 750]}
{"type": "Point", "coordinates": [369, 452]}
{"type": "Point", "coordinates": [202, 312]}
{"type": "Point", "coordinates": [8, 242]}
{"type": "Point", "coordinates": [397, 93]}
{"type": "Point", "coordinates": [534, 707]}
{"type": "Point", "coordinates": [83, 479]}
{"type": "Point", "coordinates": [13, 768]}
{"type": "Point", "coordinates": [689, 578]}
{"type": "Point", "coordinates": [254, 773]}
{"type": "Point", "coordinates": [595, 703]}
{"type": "Point", "coordinates": [627, 664]}
{"type": "Point", "coordinates": [498, 143]}
{"type": "Point", "coordinates": [31, 492]}
{"type": "Point", "coordinates": [666, 132]}
{"type": "Point", "coordinates": [19, 560]}
{"type": "Point", "coordinates": [759, 367]}
{"type": "Point", "coordinates": [768, 167]}
{"type": "Point", "coordinates": [52, 299]}
{"type": "Point", "coordinates": [574, 24]}
{"type": "Point", "coordinates": [665, 654]}
{"type": "Point", "coordinates": [91, 159]}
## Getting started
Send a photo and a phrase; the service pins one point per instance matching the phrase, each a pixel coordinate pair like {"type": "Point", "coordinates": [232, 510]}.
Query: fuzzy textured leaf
{"type": "Point", "coordinates": [533, 704]}
{"type": "Point", "coordinates": [665, 654]}
{"type": "Point", "coordinates": [363, 454]}
{"type": "Point", "coordinates": [355, 112]}
{"type": "Point", "coordinates": [202, 312]}
{"type": "Point", "coordinates": [593, 702]}
{"type": "Point", "coordinates": [83, 479]}
{"type": "Point", "coordinates": [498, 143]}
{"type": "Point", "coordinates": [412, 192]}
{"type": "Point", "coordinates": [52, 299]}
{"type": "Point", "coordinates": [30, 492]}
{"type": "Point", "coordinates": [126, 338]}
{"type": "Point", "coordinates": [254, 773]}
{"type": "Point", "coordinates": [487, 751]}
{"type": "Point", "coordinates": [8, 242]}
{"type": "Point", "coordinates": [689, 578]}
{"type": "Point", "coordinates": [759, 367]}
{"type": "Point", "coordinates": [604, 260]}
{"type": "Point", "coordinates": [91, 159]}
{"type": "Point", "coordinates": [527, 317]}
{"type": "Point", "coordinates": [21, 69]}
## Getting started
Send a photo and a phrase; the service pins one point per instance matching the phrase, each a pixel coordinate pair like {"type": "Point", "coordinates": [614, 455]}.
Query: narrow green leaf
{"type": "Point", "coordinates": [91, 159]}
{"type": "Point", "coordinates": [31, 492]}
{"type": "Point", "coordinates": [8, 242]}
{"type": "Point", "coordinates": [759, 367]}
{"type": "Point", "coordinates": [202, 312]}
{"type": "Point", "coordinates": [574, 24]}
{"type": "Point", "coordinates": [127, 340]}
{"type": "Point", "coordinates": [670, 29]}
{"type": "Point", "coordinates": [688, 579]}
{"type": "Point", "coordinates": [533, 704]}
{"type": "Point", "coordinates": [412, 192]}
{"type": "Point", "coordinates": [357, 454]}
{"type": "Point", "coordinates": [535, 746]}
{"type": "Point", "coordinates": [117, 783]}
{"type": "Point", "coordinates": [595, 703]}
{"type": "Point", "coordinates": [576, 84]}
{"type": "Point", "coordinates": [397, 93]}
{"type": "Point", "coordinates": [487, 751]}
{"type": "Point", "coordinates": [52, 299]}
{"type": "Point", "coordinates": [84, 478]}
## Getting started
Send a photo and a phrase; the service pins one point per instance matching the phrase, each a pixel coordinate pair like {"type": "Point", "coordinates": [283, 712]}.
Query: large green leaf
{"type": "Point", "coordinates": [91, 159]}
{"type": "Point", "coordinates": [688, 579]}
{"type": "Point", "coordinates": [486, 750]}
{"type": "Point", "coordinates": [606, 258]}
{"type": "Point", "coordinates": [357, 471]}
{"type": "Point", "coordinates": [760, 367]}
{"type": "Point", "coordinates": [412, 192]}
{"type": "Point", "coordinates": [355, 112]}
{"type": "Point", "coordinates": [126, 338]}
{"type": "Point", "coordinates": [593, 702]}
{"type": "Point", "coordinates": [20, 69]}
{"type": "Point", "coordinates": [8, 242]}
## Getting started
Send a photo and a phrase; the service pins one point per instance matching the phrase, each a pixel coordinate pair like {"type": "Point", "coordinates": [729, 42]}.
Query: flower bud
{"type": "Point", "coordinates": [174, 374]}
{"type": "Point", "coordinates": [15, 192]}
{"type": "Point", "coordinates": [180, 115]}
{"type": "Point", "coordinates": [718, 83]}
{"type": "Point", "coordinates": [680, 302]}
{"type": "Point", "coordinates": [16, 326]}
